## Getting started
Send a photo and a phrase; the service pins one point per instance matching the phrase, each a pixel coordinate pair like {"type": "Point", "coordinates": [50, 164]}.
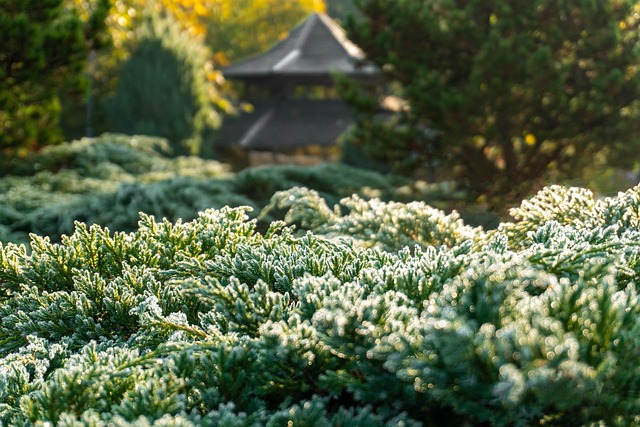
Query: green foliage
{"type": "Point", "coordinates": [110, 179]}
{"type": "Point", "coordinates": [332, 181]}
{"type": "Point", "coordinates": [44, 47]}
{"type": "Point", "coordinates": [106, 180]}
{"type": "Point", "coordinates": [391, 225]}
{"type": "Point", "coordinates": [340, 9]}
{"type": "Point", "coordinates": [237, 29]}
{"type": "Point", "coordinates": [163, 88]}
{"type": "Point", "coordinates": [519, 92]}
{"type": "Point", "coordinates": [211, 322]}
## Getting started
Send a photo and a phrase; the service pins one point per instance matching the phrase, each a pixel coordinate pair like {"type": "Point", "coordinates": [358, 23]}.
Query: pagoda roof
{"type": "Point", "coordinates": [316, 47]}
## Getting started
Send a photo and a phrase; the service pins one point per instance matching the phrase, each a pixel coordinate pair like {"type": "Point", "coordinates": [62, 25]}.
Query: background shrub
{"type": "Point", "coordinates": [110, 179]}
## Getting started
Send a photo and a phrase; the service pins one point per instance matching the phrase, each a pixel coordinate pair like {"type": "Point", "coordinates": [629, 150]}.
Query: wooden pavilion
{"type": "Point", "coordinates": [291, 90]}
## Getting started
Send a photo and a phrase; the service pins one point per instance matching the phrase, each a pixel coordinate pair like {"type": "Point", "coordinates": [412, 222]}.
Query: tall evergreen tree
{"type": "Point", "coordinates": [518, 90]}
{"type": "Point", "coordinates": [163, 88]}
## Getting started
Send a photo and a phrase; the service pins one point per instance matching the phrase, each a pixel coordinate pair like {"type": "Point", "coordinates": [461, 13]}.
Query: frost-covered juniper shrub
{"type": "Point", "coordinates": [377, 314]}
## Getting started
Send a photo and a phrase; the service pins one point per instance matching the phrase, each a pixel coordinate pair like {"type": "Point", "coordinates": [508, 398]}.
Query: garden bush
{"type": "Point", "coordinates": [110, 179]}
{"type": "Point", "coordinates": [105, 180]}
{"type": "Point", "coordinates": [211, 322]}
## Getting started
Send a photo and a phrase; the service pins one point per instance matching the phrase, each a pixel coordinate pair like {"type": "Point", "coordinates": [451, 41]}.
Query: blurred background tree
{"type": "Point", "coordinates": [44, 52]}
{"type": "Point", "coordinates": [163, 89]}
{"type": "Point", "coordinates": [519, 91]}
{"type": "Point", "coordinates": [123, 19]}
{"type": "Point", "coordinates": [240, 28]}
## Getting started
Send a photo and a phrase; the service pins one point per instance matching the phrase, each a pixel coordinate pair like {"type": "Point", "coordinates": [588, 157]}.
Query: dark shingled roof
{"type": "Point", "coordinates": [308, 56]}
{"type": "Point", "coordinates": [286, 125]}
{"type": "Point", "coordinates": [316, 47]}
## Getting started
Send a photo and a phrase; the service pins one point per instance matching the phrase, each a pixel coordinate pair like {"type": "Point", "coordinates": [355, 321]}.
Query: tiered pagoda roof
{"type": "Point", "coordinates": [308, 57]}
{"type": "Point", "coordinates": [315, 48]}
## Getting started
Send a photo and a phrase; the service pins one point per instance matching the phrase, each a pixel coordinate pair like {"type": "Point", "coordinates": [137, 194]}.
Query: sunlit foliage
{"type": "Point", "coordinates": [42, 59]}
{"type": "Point", "coordinates": [240, 28]}
{"type": "Point", "coordinates": [212, 322]}
{"type": "Point", "coordinates": [232, 28]}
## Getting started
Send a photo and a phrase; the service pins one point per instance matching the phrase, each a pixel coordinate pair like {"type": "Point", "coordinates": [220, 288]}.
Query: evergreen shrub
{"type": "Point", "coordinates": [110, 179]}
{"type": "Point", "coordinates": [106, 180]}
{"type": "Point", "coordinates": [333, 181]}
{"type": "Point", "coordinates": [210, 322]}
{"type": "Point", "coordinates": [164, 88]}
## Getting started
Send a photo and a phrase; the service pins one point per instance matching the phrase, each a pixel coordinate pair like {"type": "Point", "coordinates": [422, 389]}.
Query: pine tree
{"type": "Point", "coordinates": [518, 91]}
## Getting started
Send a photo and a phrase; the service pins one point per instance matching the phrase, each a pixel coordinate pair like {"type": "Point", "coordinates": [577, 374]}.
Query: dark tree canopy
{"type": "Point", "coordinates": [519, 90]}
